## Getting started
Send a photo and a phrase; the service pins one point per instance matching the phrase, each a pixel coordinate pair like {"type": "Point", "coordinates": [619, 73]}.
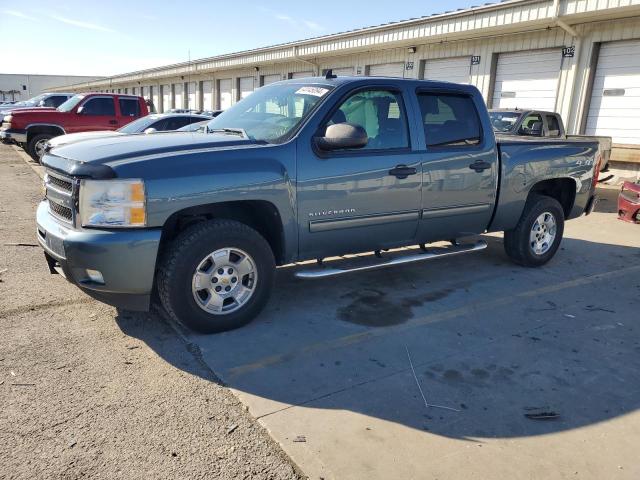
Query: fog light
{"type": "Point", "coordinates": [95, 276]}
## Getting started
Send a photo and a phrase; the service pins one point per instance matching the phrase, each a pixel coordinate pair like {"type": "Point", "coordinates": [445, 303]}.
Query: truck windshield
{"type": "Point", "coordinates": [69, 104]}
{"type": "Point", "coordinates": [504, 121]}
{"type": "Point", "coordinates": [272, 113]}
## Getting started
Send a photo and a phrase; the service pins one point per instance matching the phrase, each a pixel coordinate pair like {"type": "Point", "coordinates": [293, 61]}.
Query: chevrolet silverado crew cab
{"type": "Point", "coordinates": [301, 170]}
{"type": "Point", "coordinates": [85, 112]}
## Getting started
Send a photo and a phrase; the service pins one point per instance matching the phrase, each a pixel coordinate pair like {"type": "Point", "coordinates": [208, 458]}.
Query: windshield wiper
{"type": "Point", "coordinates": [232, 131]}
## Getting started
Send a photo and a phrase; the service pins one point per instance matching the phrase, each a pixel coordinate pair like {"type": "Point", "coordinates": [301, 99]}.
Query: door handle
{"type": "Point", "coordinates": [402, 171]}
{"type": "Point", "coordinates": [113, 122]}
{"type": "Point", "coordinates": [479, 166]}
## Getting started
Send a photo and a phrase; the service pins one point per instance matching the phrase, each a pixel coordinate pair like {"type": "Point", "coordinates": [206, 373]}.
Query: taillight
{"type": "Point", "coordinates": [596, 174]}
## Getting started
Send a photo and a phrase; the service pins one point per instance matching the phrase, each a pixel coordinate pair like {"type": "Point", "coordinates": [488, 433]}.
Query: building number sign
{"type": "Point", "coordinates": [569, 51]}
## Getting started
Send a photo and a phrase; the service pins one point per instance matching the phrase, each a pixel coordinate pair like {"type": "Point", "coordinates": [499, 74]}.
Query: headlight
{"type": "Point", "coordinates": [112, 203]}
{"type": "Point", "coordinates": [8, 118]}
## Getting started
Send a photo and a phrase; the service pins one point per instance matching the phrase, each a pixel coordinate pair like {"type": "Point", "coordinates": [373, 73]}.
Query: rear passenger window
{"type": "Point", "coordinates": [380, 113]}
{"type": "Point", "coordinates": [129, 107]}
{"type": "Point", "coordinates": [449, 120]}
{"type": "Point", "coordinates": [99, 106]}
{"type": "Point", "coordinates": [553, 126]}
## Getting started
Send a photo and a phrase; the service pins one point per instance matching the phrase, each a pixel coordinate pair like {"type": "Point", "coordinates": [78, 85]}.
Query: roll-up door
{"type": "Point", "coordinates": [614, 110]}
{"type": "Point", "coordinates": [178, 95]}
{"type": "Point", "coordinates": [246, 86]}
{"type": "Point", "coordinates": [191, 95]}
{"type": "Point", "coordinates": [448, 69]}
{"type": "Point", "coordinates": [166, 97]}
{"type": "Point", "coordinates": [225, 93]}
{"type": "Point", "coordinates": [343, 71]}
{"type": "Point", "coordinates": [302, 74]}
{"type": "Point", "coordinates": [207, 95]}
{"type": "Point", "coordinates": [387, 70]}
{"type": "Point", "coordinates": [267, 79]}
{"type": "Point", "coordinates": [527, 79]}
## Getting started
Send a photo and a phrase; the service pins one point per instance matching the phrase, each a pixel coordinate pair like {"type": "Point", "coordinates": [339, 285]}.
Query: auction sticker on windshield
{"type": "Point", "coordinates": [315, 91]}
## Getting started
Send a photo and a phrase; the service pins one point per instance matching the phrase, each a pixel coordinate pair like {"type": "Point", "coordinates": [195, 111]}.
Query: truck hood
{"type": "Point", "coordinates": [76, 137]}
{"type": "Point", "coordinates": [97, 153]}
{"type": "Point", "coordinates": [13, 111]}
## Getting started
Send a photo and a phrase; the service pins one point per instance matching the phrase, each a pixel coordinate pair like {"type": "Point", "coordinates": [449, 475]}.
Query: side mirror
{"type": "Point", "coordinates": [150, 130]}
{"type": "Point", "coordinates": [343, 135]}
{"type": "Point", "coordinates": [80, 110]}
{"type": "Point", "coordinates": [41, 103]}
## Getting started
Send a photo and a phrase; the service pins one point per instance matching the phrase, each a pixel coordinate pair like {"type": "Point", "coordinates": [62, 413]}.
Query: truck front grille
{"type": "Point", "coordinates": [61, 211]}
{"type": "Point", "coordinates": [61, 192]}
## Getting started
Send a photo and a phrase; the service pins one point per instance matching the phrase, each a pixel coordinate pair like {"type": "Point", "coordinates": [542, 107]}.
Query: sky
{"type": "Point", "coordinates": [87, 37]}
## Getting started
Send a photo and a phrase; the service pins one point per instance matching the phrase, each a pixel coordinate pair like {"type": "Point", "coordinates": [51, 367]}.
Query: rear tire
{"type": "Point", "coordinates": [35, 146]}
{"type": "Point", "coordinates": [537, 236]}
{"type": "Point", "coordinates": [216, 276]}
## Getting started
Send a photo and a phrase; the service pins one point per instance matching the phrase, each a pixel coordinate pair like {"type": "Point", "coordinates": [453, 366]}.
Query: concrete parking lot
{"type": "Point", "coordinates": [327, 368]}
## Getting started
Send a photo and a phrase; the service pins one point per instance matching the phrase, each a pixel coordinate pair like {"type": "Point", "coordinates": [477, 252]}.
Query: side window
{"type": "Point", "coordinates": [449, 120]}
{"type": "Point", "coordinates": [99, 106]}
{"type": "Point", "coordinates": [553, 125]}
{"type": "Point", "coordinates": [129, 107]}
{"type": "Point", "coordinates": [175, 123]}
{"type": "Point", "coordinates": [380, 113]}
{"type": "Point", "coordinates": [531, 125]}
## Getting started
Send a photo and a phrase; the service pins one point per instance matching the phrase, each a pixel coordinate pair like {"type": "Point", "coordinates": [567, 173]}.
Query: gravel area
{"type": "Point", "coordinates": [91, 392]}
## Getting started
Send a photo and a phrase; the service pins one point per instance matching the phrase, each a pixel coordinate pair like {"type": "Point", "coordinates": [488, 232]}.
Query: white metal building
{"type": "Point", "coordinates": [17, 87]}
{"type": "Point", "coordinates": [580, 58]}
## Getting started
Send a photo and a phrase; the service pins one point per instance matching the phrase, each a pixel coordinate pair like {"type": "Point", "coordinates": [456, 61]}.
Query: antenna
{"type": "Point", "coordinates": [330, 74]}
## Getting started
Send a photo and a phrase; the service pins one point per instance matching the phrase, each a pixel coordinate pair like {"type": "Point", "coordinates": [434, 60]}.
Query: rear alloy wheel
{"type": "Point", "coordinates": [37, 146]}
{"type": "Point", "coordinates": [216, 276]}
{"type": "Point", "coordinates": [538, 234]}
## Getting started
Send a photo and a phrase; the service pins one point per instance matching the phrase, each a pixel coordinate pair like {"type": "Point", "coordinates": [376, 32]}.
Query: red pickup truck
{"type": "Point", "coordinates": [84, 112]}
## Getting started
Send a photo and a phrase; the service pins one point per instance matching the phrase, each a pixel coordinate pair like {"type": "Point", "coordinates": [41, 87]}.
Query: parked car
{"type": "Point", "coordinates": [182, 110]}
{"type": "Point", "coordinates": [211, 113]}
{"type": "Point", "coordinates": [83, 112]}
{"type": "Point", "coordinates": [629, 202]}
{"type": "Point", "coordinates": [302, 169]}
{"type": "Point", "coordinates": [157, 122]}
{"type": "Point", "coordinates": [540, 123]}
{"type": "Point", "coordinates": [44, 100]}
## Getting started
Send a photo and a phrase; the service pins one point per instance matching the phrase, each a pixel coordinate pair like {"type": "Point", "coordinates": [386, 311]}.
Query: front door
{"type": "Point", "coordinates": [361, 199]}
{"type": "Point", "coordinates": [460, 167]}
{"type": "Point", "coordinates": [98, 113]}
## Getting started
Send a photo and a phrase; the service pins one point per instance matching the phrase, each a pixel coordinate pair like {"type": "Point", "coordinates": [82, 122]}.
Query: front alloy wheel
{"type": "Point", "coordinates": [224, 281]}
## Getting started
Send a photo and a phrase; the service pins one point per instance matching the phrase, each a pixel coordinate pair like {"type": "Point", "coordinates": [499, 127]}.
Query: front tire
{"type": "Point", "coordinates": [216, 276]}
{"type": "Point", "coordinates": [36, 146]}
{"type": "Point", "coordinates": [537, 236]}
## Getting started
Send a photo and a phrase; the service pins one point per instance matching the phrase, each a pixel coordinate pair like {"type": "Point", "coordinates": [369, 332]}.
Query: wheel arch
{"type": "Point", "coordinates": [561, 189]}
{"type": "Point", "coordinates": [261, 215]}
{"type": "Point", "coordinates": [38, 128]}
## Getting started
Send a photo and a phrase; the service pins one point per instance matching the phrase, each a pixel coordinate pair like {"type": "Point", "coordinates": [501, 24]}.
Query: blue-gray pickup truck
{"type": "Point", "coordinates": [302, 170]}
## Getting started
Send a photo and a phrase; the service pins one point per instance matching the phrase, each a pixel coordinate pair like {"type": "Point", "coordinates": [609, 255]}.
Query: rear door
{"type": "Point", "coordinates": [95, 113]}
{"type": "Point", "coordinates": [129, 110]}
{"type": "Point", "coordinates": [361, 199]}
{"type": "Point", "coordinates": [459, 165]}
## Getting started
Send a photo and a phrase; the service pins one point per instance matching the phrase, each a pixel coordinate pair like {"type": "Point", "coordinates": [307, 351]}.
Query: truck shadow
{"type": "Point", "coordinates": [491, 340]}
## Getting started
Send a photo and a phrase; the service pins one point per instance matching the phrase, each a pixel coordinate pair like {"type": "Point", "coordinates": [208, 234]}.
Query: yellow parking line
{"type": "Point", "coordinates": [426, 320]}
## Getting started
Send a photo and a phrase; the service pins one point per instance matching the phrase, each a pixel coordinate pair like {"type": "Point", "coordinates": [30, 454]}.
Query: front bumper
{"type": "Point", "coordinates": [18, 136]}
{"type": "Point", "coordinates": [629, 203]}
{"type": "Point", "coordinates": [125, 258]}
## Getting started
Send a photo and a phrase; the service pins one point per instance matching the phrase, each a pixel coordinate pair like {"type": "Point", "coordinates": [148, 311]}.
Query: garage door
{"type": "Point", "coordinates": [387, 70]}
{"type": "Point", "coordinates": [527, 79]}
{"type": "Point", "coordinates": [614, 110]}
{"type": "Point", "coordinates": [267, 79]}
{"type": "Point", "coordinates": [177, 95]}
{"type": "Point", "coordinates": [448, 69]}
{"type": "Point", "coordinates": [225, 93]}
{"type": "Point", "coordinates": [191, 95]}
{"type": "Point", "coordinates": [246, 86]}
{"type": "Point", "coordinates": [302, 74]}
{"type": "Point", "coordinates": [166, 97]}
{"type": "Point", "coordinates": [207, 95]}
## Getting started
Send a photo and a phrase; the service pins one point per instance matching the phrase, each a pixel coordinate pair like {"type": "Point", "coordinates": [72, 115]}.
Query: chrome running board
{"type": "Point", "coordinates": [376, 262]}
